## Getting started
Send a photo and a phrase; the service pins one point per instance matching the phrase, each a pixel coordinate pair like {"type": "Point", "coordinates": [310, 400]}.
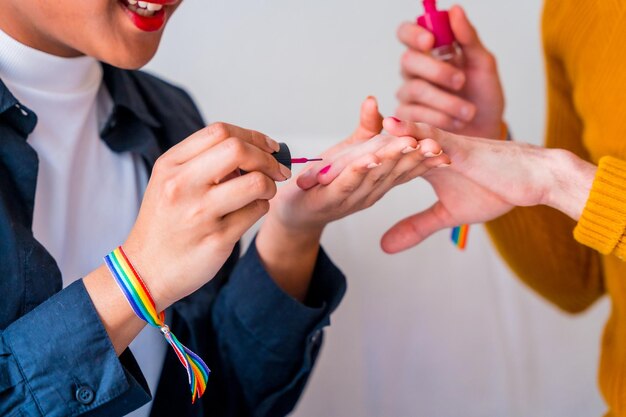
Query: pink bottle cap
{"type": "Point", "coordinates": [437, 22]}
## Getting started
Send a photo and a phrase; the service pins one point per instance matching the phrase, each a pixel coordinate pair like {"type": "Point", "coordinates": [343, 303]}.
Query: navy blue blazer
{"type": "Point", "coordinates": [56, 358]}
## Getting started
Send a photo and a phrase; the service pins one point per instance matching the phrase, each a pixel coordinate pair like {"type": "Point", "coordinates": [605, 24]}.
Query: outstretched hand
{"type": "Point", "coordinates": [355, 173]}
{"type": "Point", "coordinates": [488, 178]}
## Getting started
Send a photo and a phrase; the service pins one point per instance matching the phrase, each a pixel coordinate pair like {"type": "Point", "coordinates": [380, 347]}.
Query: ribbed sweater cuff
{"type": "Point", "coordinates": [603, 220]}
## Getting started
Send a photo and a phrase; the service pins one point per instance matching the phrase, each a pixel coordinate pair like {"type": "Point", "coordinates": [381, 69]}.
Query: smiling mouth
{"type": "Point", "coordinates": [143, 8]}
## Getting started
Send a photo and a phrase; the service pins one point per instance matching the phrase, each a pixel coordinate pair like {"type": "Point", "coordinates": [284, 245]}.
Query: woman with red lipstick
{"type": "Point", "coordinates": [93, 155]}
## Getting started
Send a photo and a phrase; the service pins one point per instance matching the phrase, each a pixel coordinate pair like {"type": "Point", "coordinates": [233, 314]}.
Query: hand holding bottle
{"type": "Point", "coordinates": [467, 99]}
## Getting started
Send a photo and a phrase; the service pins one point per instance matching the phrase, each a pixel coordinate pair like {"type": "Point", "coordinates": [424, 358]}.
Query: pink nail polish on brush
{"type": "Point", "coordinates": [438, 23]}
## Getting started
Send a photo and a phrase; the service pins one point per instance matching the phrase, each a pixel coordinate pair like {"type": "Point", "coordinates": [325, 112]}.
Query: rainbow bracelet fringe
{"type": "Point", "coordinates": [143, 305]}
{"type": "Point", "coordinates": [459, 236]}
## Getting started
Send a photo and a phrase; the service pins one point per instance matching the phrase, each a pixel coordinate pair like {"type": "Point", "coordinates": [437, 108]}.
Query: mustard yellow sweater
{"type": "Point", "coordinates": [585, 53]}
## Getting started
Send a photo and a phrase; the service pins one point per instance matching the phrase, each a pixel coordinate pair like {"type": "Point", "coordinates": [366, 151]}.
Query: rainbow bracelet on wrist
{"type": "Point", "coordinates": [143, 305]}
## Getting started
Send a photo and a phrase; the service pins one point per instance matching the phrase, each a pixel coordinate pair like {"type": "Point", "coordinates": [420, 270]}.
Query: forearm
{"type": "Point", "coordinates": [119, 320]}
{"type": "Point", "coordinates": [289, 256]}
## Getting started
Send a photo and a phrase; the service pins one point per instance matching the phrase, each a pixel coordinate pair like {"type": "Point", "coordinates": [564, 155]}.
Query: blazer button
{"type": "Point", "coordinates": [84, 395]}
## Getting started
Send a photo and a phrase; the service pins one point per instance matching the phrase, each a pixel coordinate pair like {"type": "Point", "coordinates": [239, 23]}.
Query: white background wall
{"type": "Point", "coordinates": [433, 331]}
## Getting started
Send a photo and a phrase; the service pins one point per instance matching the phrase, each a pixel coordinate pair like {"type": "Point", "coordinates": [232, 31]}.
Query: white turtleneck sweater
{"type": "Point", "coordinates": [87, 196]}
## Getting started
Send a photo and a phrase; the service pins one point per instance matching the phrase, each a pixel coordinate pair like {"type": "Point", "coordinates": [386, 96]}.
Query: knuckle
{"type": "Point", "coordinates": [490, 61]}
{"type": "Point", "coordinates": [161, 163]}
{"type": "Point", "coordinates": [406, 59]}
{"type": "Point", "coordinates": [377, 179]}
{"type": "Point", "coordinates": [419, 89]}
{"type": "Point", "coordinates": [347, 188]}
{"type": "Point", "coordinates": [234, 147]}
{"type": "Point", "coordinates": [259, 183]}
{"type": "Point", "coordinates": [369, 202]}
{"type": "Point", "coordinates": [426, 129]}
{"type": "Point", "coordinates": [171, 189]}
{"type": "Point", "coordinates": [218, 129]}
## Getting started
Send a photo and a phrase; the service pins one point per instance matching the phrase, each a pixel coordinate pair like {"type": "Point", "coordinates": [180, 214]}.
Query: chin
{"type": "Point", "coordinates": [132, 59]}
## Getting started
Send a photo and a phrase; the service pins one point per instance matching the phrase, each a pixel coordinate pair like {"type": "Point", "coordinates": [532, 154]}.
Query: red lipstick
{"type": "Point", "coordinates": [152, 22]}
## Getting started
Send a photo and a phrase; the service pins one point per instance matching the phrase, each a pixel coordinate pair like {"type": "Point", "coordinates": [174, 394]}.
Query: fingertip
{"type": "Point", "coordinates": [370, 118]}
{"type": "Point", "coordinates": [391, 123]}
{"type": "Point", "coordinates": [416, 37]}
{"type": "Point", "coordinates": [370, 101]}
{"type": "Point", "coordinates": [463, 29]}
{"type": "Point", "coordinates": [389, 244]}
{"type": "Point", "coordinates": [457, 12]}
{"type": "Point", "coordinates": [456, 9]}
{"type": "Point", "coordinates": [305, 182]}
{"type": "Point", "coordinates": [383, 245]}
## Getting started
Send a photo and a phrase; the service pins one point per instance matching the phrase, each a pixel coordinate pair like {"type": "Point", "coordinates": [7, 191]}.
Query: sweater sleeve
{"type": "Point", "coordinates": [537, 242]}
{"type": "Point", "coordinates": [602, 225]}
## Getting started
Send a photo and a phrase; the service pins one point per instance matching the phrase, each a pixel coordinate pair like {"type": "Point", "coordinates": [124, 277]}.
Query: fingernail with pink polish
{"type": "Point", "coordinates": [325, 170]}
{"type": "Point", "coordinates": [395, 119]}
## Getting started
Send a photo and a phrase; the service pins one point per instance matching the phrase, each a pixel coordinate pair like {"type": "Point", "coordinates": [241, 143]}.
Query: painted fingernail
{"type": "Point", "coordinates": [409, 149]}
{"type": "Point", "coordinates": [325, 170]}
{"type": "Point", "coordinates": [457, 80]}
{"type": "Point", "coordinates": [432, 155]}
{"type": "Point", "coordinates": [395, 119]}
{"type": "Point", "coordinates": [272, 144]}
{"type": "Point", "coordinates": [374, 165]}
{"type": "Point", "coordinates": [285, 171]}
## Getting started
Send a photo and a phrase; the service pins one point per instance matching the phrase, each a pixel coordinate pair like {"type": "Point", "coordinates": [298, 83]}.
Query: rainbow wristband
{"type": "Point", "coordinates": [143, 305]}
{"type": "Point", "coordinates": [459, 236]}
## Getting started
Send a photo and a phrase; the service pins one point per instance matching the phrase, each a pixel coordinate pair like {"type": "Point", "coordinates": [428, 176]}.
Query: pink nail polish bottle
{"type": "Point", "coordinates": [438, 23]}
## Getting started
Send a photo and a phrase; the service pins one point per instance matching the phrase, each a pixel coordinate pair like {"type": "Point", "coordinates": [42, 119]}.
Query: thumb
{"type": "Point", "coordinates": [467, 36]}
{"type": "Point", "coordinates": [370, 122]}
{"type": "Point", "coordinates": [414, 229]}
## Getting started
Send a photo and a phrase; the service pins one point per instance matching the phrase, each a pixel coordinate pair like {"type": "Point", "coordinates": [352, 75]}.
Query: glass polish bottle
{"type": "Point", "coordinates": [438, 23]}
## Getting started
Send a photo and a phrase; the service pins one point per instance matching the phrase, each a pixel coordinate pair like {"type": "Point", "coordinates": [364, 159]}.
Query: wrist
{"type": "Point", "coordinates": [571, 179]}
{"type": "Point", "coordinates": [304, 237]}
{"type": "Point", "coordinates": [142, 264]}
{"type": "Point", "coordinates": [289, 256]}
